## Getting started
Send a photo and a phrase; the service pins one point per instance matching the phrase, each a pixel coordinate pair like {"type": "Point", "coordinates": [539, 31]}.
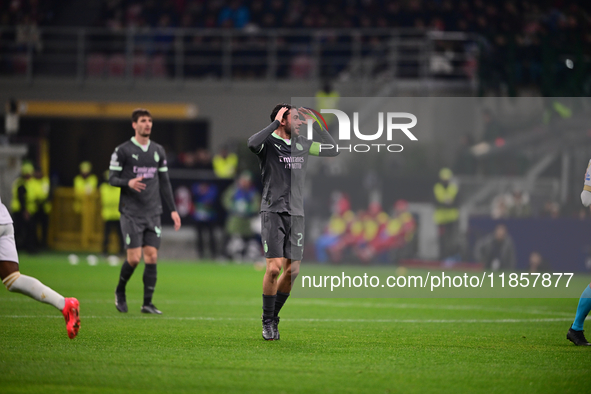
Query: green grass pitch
{"type": "Point", "coordinates": [209, 339]}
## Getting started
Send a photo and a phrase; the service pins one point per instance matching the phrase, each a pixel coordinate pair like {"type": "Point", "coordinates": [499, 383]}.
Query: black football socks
{"type": "Point", "coordinates": [269, 306]}
{"type": "Point", "coordinates": [150, 274]}
{"type": "Point", "coordinates": [280, 301]}
{"type": "Point", "coordinates": [126, 272]}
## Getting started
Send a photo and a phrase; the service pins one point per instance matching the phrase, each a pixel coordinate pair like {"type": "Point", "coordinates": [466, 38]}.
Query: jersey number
{"type": "Point", "coordinates": [300, 239]}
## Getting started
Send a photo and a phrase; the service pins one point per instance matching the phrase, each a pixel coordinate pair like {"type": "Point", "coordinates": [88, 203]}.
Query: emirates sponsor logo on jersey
{"type": "Point", "coordinates": [146, 172]}
{"type": "Point", "coordinates": [292, 162]}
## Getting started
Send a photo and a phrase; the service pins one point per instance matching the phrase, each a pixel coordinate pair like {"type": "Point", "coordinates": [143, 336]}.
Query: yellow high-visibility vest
{"type": "Point", "coordinates": [110, 201]}
{"type": "Point", "coordinates": [42, 187]}
{"type": "Point", "coordinates": [83, 187]}
{"type": "Point", "coordinates": [225, 167]}
{"type": "Point", "coordinates": [30, 197]}
{"type": "Point", "coordinates": [445, 195]}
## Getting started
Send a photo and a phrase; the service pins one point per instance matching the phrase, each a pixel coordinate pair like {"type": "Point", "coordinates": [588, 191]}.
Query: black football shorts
{"type": "Point", "coordinates": [141, 231]}
{"type": "Point", "coordinates": [282, 235]}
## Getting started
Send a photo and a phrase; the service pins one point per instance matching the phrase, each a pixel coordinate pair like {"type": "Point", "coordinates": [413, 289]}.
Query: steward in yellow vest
{"type": "Point", "coordinates": [85, 184]}
{"type": "Point", "coordinates": [225, 164]}
{"type": "Point", "coordinates": [110, 212]}
{"type": "Point", "coordinates": [24, 206]}
{"type": "Point", "coordinates": [446, 214]}
{"type": "Point", "coordinates": [446, 193]}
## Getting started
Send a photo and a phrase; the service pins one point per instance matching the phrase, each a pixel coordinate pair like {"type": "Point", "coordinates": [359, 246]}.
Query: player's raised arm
{"type": "Point", "coordinates": [255, 142]}
{"type": "Point", "coordinates": [327, 146]}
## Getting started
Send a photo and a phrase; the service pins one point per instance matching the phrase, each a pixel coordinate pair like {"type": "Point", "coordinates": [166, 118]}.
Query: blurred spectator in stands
{"type": "Point", "coordinates": [24, 207]}
{"type": "Point", "coordinates": [235, 14]}
{"type": "Point", "coordinates": [496, 250]}
{"type": "Point", "coordinates": [85, 185]}
{"type": "Point", "coordinates": [242, 202]}
{"type": "Point", "coordinates": [447, 214]}
{"type": "Point", "coordinates": [352, 235]}
{"type": "Point", "coordinates": [43, 197]}
{"type": "Point", "coordinates": [368, 234]}
{"type": "Point", "coordinates": [515, 204]}
{"type": "Point", "coordinates": [518, 203]}
{"type": "Point", "coordinates": [205, 196]}
{"type": "Point", "coordinates": [28, 35]}
{"type": "Point", "coordinates": [537, 264]}
{"type": "Point", "coordinates": [336, 228]}
{"type": "Point", "coordinates": [394, 238]}
{"type": "Point", "coordinates": [202, 159]}
{"type": "Point", "coordinates": [225, 163]}
{"type": "Point", "coordinates": [499, 208]}
{"type": "Point", "coordinates": [302, 66]}
{"type": "Point", "coordinates": [110, 214]}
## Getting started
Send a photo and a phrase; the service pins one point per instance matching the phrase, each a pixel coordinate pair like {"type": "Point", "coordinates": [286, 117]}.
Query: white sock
{"type": "Point", "coordinates": [33, 288]}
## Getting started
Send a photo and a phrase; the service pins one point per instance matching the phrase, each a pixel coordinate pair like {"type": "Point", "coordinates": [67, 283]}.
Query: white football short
{"type": "Point", "coordinates": [7, 244]}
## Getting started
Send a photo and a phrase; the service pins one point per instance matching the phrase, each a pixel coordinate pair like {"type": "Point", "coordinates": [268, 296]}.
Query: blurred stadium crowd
{"type": "Point", "coordinates": [489, 18]}
{"type": "Point", "coordinates": [520, 43]}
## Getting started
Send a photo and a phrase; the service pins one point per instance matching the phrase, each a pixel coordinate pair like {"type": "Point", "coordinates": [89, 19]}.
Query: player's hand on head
{"type": "Point", "coordinates": [305, 113]}
{"type": "Point", "coordinates": [137, 184]}
{"type": "Point", "coordinates": [176, 219]}
{"type": "Point", "coordinates": [280, 114]}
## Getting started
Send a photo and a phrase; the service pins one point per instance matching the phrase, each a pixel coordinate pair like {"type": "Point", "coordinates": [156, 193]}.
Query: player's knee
{"type": "Point", "coordinates": [273, 268]}
{"type": "Point", "coordinates": [294, 270]}
{"type": "Point", "coordinates": [150, 255]}
{"type": "Point", "coordinates": [133, 260]}
{"type": "Point", "coordinates": [273, 271]}
{"type": "Point", "coordinates": [151, 258]}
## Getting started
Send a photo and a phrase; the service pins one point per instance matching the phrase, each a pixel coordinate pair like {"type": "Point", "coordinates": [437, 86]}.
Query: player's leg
{"type": "Point", "coordinates": [291, 269]}
{"type": "Point", "coordinates": [150, 277]}
{"type": "Point", "coordinates": [273, 234]}
{"type": "Point", "coordinates": [575, 332]}
{"type": "Point", "coordinates": [133, 257]}
{"type": "Point", "coordinates": [133, 244]}
{"type": "Point", "coordinates": [270, 282]}
{"type": "Point", "coordinates": [27, 285]}
{"type": "Point", "coordinates": [294, 250]}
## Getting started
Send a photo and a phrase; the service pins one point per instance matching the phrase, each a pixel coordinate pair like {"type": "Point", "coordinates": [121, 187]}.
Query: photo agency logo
{"type": "Point", "coordinates": [392, 120]}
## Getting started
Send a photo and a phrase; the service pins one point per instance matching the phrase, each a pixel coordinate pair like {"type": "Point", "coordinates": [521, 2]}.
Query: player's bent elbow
{"type": "Point", "coordinates": [251, 145]}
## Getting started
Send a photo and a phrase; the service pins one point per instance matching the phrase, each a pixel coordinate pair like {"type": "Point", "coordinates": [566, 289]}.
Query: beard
{"type": "Point", "coordinates": [145, 133]}
{"type": "Point", "coordinates": [289, 130]}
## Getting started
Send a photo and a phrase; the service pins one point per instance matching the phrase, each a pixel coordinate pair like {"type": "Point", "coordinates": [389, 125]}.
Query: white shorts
{"type": "Point", "coordinates": [7, 244]}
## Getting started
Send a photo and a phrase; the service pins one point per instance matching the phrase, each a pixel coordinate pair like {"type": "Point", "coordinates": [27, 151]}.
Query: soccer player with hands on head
{"type": "Point", "coordinates": [283, 155]}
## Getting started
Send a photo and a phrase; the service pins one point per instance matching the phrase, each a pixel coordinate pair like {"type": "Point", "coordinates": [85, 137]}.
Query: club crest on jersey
{"type": "Point", "coordinates": [156, 157]}
{"type": "Point", "coordinates": [299, 146]}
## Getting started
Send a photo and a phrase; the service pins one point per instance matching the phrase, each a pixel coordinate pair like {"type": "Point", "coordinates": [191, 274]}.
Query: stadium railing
{"type": "Point", "coordinates": [179, 54]}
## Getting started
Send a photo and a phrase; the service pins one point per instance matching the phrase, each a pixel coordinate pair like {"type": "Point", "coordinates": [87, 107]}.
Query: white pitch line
{"type": "Point", "coordinates": [337, 304]}
{"type": "Point", "coordinates": [204, 318]}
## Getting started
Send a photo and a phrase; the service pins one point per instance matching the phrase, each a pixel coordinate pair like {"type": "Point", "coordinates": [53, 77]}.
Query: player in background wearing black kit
{"type": "Point", "coordinates": [283, 155]}
{"type": "Point", "coordinates": [138, 167]}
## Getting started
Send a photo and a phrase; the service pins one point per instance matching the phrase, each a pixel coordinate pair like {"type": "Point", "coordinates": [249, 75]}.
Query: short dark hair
{"type": "Point", "coordinates": [138, 113]}
{"type": "Point", "coordinates": [277, 108]}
